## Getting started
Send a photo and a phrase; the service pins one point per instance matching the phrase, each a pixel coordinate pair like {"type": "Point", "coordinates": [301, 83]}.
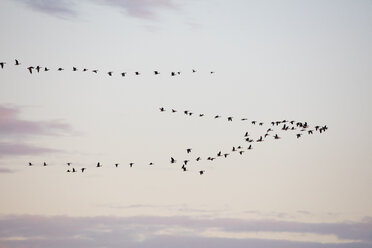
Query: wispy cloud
{"type": "Point", "coordinates": [176, 231]}
{"type": "Point", "coordinates": [6, 170]}
{"type": "Point", "coordinates": [143, 9]}
{"type": "Point", "coordinates": [11, 124]}
{"type": "Point", "coordinates": [59, 8]}
{"type": "Point", "coordinates": [17, 149]}
{"type": "Point", "coordinates": [15, 133]}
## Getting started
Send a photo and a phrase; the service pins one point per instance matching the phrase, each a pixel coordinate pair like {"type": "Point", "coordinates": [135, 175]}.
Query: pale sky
{"type": "Point", "coordinates": [308, 61]}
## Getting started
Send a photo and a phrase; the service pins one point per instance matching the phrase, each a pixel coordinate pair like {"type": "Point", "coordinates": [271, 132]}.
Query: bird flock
{"type": "Point", "coordinates": [272, 129]}
{"type": "Point", "coordinates": [34, 69]}
{"type": "Point", "coordinates": [188, 163]}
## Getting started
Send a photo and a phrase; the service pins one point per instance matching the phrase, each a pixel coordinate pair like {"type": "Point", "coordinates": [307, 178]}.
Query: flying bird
{"type": "Point", "coordinates": [30, 68]}
{"type": "Point", "coordinates": [123, 74]}
{"type": "Point", "coordinates": [137, 73]}
{"type": "Point", "coordinates": [201, 172]}
{"type": "Point", "coordinates": [174, 111]}
{"type": "Point", "coordinates": [95, 71]}
{"type": "Point", "coordinates": [162, 109]}
{"type": "Point", "coordinates": [30, 164]}
{"type": "Point", "coordinates": [46, 69]}
{"type": "Point", "coordinates": [173, 160]}
{"type": "Point", "coordinates": [45, 164]}
{"type": "Point", "coordinates": [74, 68]}
{"type": "Point", "coordinates": [116, 165]}
{"type": "Point", "coordinates": [110, 73]}
{"type": "Point", "coordinates": [60, 69]}
{"type": "Point", "coordinates": [188, 150]}
{"type": "Point", "coordinates": [68, 163]}
{"type": "Point", "coordinates": [173, 74]}
{"type": "Point", "coordinates": [229, 118]}
{"type": "Point", "coordinates": [99, 165]}
{"type": "Point", "coordinates": [156, 72]}
{"type": "Point", "coordinates": [17, 62]}
{"type": "Point", "coordinates": [198, 159]}
{"type": "Point", "coordinates": [38, 68]}
{"type": "Point", "coordinates": [2, 64]}
{"type": "Point", "coordinates": [131, 165]}
{"type": "Point", "coordinates": [83, 169]}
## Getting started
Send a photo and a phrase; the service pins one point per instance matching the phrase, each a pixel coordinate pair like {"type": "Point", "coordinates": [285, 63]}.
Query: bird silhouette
{"type": "Point", "coordinates": [201, 172]}
{"type": "Point", "coordinates": [60, 69]}
{"type": "Point", "coordinates": [123, 74]}
{"type": "Point", "coordinates": [17, 62]}
{"type": "Point", "coordinates": [95, 71]}
{"type": "Point", "coordinates": [254, 122]}
{"type": "Point", "coordinates": [229, 118]}
{"type": "Point", "coordinates": [226, 154]}
{"type": "Point", "coordinates": [151, 163]}
{"type": "Point", "coordinates": [198, 158]}
{"type": "Point", "coordinates": [116, 165]}
{"type": "Point", "coordinates": [73, 170]}
{"type": "Point", "coordinates": [185, 162]}
{"type": "Point", "coordinates": [85, 69]}
{"type": "Point", "coordinates": [173, 74]}
{"type": "Point", "coordinates": [2, 64]}
{"type": "Point", "coordinates": [193, 70]}
{"type": "Point", "coordinates": [298, 135]}
{"type": "Point", "coordinates": [156, 72]}
{"type": "Point", "coordinates": [260, 139]}
{"type": "Point", "coordinates": [246, 134]}
{"type": "Point", "coordinates": [201, 115]}
{"type": "Point", "coordinates": [250, 147]}
{"type": "Point", "coordinates": [30, 68]}
{"type": "Point", "coordinates": [276, 136]}
{"type": "Point", "coordinates": [173, 160]}
{"type": "Point", "coordinates": [45, 164]}
{"type": "Point", "coordinates": [188, 150]}
{"type": "Point", "coordinates": [83, 169]}
{"type": "Point", "coordinates": [46, 69]}
{"type": "Point", "coordinates": [244, 119]}
{"type": "Point", "coordinates": [110, 73]}
{"type": "Point", "coordinates": [99, 165]}
{"type": "Point", "coordinates": [68, 163]}
{"type": "Point", "coordinates": [137, 73]}
{"type": "Point", "coordinates": [174, 111]}
{"type": "Point", "coordinates": [162, 109]}
{"type": "Point", "coordinates": [38, 68]}
{"type": "Point", "coordinates": [74, 68]}
{"type": "Point", "coordinates": [217, 116]}
{"type": "Point", "coordinates": [131, 165]}
{"type": "Point", "coordinates": [30, 164]}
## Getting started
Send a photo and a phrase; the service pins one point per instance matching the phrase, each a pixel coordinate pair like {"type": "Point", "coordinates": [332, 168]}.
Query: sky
{"type": "Point", "coordinates": [307, 61]}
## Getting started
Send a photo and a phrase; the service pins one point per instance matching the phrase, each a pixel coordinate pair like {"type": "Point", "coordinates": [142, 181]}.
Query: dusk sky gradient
{"type": "Point", "coordinates": [273, 60]}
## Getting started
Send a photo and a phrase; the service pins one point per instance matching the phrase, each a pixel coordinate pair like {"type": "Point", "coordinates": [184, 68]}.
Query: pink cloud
{"type": "Point", "coordinates": [16, 149]}
{"type": "Point", "coordinates": [11, 124]}
{"type": "Point", "coordinates": [143, 231]}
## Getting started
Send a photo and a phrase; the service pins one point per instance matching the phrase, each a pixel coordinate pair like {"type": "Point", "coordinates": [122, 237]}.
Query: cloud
{"type": "Point", "coordinates": [15, 131]}
{"type": "Point", "coordinates": [14, 149]}
{"type": "Point", "coordinates": [11, 124]}
{"type": "Point", "coordinates": [143, 9]}
{"type": "Point", "coordinates": [60, 8]}
{"type": "Point", "coordinates": [173, 231]}
{"type": "Point", "coordinates": [5, 170]}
